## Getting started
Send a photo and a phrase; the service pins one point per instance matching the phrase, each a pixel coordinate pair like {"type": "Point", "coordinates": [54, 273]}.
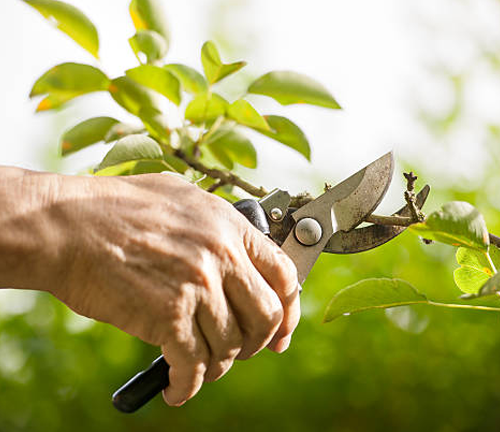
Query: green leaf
{"type": "Point", "coordinates": [293, 88]}
{"type": "Point", "coordinates": [132, 148]}
{"type": "Point", "coordinates": [133, 168]}
{"type": "Point", "coordinates": [205, 108]}
{"type": "Point", "coordinates": [71, 21]}
{"type": "Point", "coordinates": [149, 15]}
{"type": "Point", "coordinates": [475, 269]}
{"type": "Point", "coordinates": [157, 79]}
{"type": "Point", "coordinates": [458, 223]}
{"type": "Point", "coordinates": [177, 164]}
{"type": "Point", "coordinates": [245, 114]}
{"type": "Point", "coordinates": [492, 286]}
{"type": "Point", "coordinates": [156, 124]}
{"type": "Point", "coordinates": [228, 146]}
{"type": "Point", "coordinates": [131, 95]}
{"type": "Point", "coordinates": [152, 44]}
{"type": "Point", "coordinates": [149, 167]}
{"type": "Point", "coordinates": [121, 169]}
{"type": "Point", "coordinates": [288, 133]}
{"type": "Point", "coordinates": [374, 293]}
{"type": "Point", "coordinates": [191, 80]}
{"type": "Point", "coordinates": [213, 67]}
{"type": "Point", "coordinates": [121, 130]}
{"type": "Point", "coordinates": [89, 132]}
{"type": "Point", "coordinates": [67, 81]}
{"type": "Point", "coordinates": [53, 102]}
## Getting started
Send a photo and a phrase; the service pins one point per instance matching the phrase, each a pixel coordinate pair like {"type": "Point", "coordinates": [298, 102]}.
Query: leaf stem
{"type": "Point", "coordinates": [464, 306]}
{"type": "Point", "coordinates": [490, 261]}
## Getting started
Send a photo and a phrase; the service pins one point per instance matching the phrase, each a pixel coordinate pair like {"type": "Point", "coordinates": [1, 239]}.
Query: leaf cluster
{"type": "Point", "coordinates": [208, 131]}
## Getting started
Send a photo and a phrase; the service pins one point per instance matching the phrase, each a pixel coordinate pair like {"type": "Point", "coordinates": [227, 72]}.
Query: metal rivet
{"type": "Point", "coordinates": [276, 213]}
{"type": "Point", "coordinates": [308, 231]}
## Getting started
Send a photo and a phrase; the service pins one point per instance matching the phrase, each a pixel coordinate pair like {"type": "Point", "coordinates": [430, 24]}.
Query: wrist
{"type": "Point", "coordinates": [31, 241]}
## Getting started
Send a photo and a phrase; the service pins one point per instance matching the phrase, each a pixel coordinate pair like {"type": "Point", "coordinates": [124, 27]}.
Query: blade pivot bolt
{"type": "Point", "coordinates": [308, 231]}
{"type": "Point", "coordinates": [276, 214]}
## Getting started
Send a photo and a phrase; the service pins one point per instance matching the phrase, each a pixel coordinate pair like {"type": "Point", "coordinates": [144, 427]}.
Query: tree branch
{"type": "Point", "coordinates": [225, 177]}
{"type": "Point", "coordinates": [495, 240]}
{"type": "Point", "coordinates": [411, 198]}
{"type": "Point", "coordinates": [404, 221]}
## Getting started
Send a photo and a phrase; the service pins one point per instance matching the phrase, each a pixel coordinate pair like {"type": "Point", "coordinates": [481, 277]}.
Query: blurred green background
{"type": "Point", "coordinates": [410, 369]}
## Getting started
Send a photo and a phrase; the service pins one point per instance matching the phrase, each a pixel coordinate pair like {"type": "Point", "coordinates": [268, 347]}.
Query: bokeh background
{"type": "Point", "coordinates": [420, 77]}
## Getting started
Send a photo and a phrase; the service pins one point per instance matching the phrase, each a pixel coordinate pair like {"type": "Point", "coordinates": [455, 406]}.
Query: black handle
{"type": "Point", "coordinates": [140, 389]}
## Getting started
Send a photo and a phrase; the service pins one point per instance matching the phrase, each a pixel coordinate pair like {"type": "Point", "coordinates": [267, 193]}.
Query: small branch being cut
{"type": "Point", "coordinates": [411, 198]}
{"type": "Point", "coordinates": [411, 201]}
{"type": "Point", "coordinates": [404, 221]}
{"type": "Point", "coordinates": [225, 177]}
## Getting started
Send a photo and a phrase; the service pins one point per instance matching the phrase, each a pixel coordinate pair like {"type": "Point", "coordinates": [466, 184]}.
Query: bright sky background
{"type": "Point", "coordinates": [382, 60]}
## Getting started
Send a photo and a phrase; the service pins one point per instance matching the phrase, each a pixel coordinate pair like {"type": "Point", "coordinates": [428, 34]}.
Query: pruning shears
{"type": "Point", "coordinates": [328, 223]}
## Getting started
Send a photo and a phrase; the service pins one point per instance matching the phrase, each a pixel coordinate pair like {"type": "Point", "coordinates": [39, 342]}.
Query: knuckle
{"type": "Point", "coordinates": [266, 324]}
{"type": "Point", "coordinates": [286, 274]}
{"type": "Point", "coordinates": [288, 326]}
{"type": "Point", "coordinates": [218, 369]}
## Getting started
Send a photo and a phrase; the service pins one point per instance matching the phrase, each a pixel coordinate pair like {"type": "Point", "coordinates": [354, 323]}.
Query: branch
{"type": "Point", "coordinates": [495, 240]}
{"type": "Point", "coordinates": [215, 186]}
{"type": "Point", "coordinates": [411, 201]}
{"type": "Point", "coordinates": [411, 198]}
{"type": "Point", "coordinates": [224, 177]}
{"type": "Point", "coordinates": [404, 221]}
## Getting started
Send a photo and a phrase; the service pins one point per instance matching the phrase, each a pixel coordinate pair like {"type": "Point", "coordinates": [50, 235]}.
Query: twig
{"type": "Point", "coordinates": [390, 220]}
{"type": "Point", "coordinates": [215, 186]}
{"type": "Point", "coordinates": [411, 198]}
{"type": "Point", "coordinates": [495, 240]}
{"type": "Point", "coordinates": [224, 176]}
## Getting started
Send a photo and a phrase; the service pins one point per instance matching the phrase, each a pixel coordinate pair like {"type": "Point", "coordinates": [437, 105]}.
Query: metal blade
{"type": "Point", "coordinates": [342, 207]}
{"type": "Point", "coordinates": [366, 238]}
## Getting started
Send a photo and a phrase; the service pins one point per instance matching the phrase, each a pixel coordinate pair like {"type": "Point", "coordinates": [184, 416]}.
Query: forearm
{"type": "Point", "coordinates": [30, 241]}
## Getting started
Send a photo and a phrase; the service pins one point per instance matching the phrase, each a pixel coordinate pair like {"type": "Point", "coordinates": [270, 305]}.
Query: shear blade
{"type": "Point", "coordinates": [366, 238]}
{"type": "Point", "coordinates": [342, 207]}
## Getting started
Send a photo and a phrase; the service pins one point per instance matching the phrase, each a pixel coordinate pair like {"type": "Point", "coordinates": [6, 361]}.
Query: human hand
{"type": "Point", "coordinates": [175, 266]}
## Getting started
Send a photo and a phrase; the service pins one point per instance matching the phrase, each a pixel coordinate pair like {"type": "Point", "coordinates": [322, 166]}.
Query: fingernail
{"type": "Point", "coordinates": [177, 404]}
{"type": "Point", "coordinates": [173, 403]}
{"type": "Point", "coordinates": [283, 344]}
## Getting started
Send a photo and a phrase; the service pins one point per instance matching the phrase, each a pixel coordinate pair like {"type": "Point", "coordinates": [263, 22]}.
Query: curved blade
{"type": "Point", "coordinates": [366, 238]}
{"type": "Point", "coordinates": [341, 208]}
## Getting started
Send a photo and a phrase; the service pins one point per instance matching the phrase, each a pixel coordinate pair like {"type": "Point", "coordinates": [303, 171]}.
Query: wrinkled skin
{"type": "Point", "coordinates": [156, 257]}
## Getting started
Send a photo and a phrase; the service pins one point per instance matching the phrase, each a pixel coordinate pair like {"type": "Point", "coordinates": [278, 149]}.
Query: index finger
{"type": "Point", "coordinates": [281, 274]}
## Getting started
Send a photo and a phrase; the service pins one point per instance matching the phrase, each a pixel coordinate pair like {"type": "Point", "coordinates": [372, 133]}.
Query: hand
{"type": "Point", "coordinates": [175, 266]}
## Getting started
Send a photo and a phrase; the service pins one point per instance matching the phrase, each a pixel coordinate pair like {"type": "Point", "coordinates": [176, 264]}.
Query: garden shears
{"type": "Point", "coordinates": [328, 223]}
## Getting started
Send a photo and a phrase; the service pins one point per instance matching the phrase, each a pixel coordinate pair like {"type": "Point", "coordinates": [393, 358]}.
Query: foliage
{"type": "Point", "coordinates": [210, 133]}
{"type": "Point", "coordinates": [458, 224]}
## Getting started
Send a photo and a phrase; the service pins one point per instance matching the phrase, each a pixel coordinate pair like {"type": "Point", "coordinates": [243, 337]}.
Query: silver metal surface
{"type": "Point", "coordinates": [342, 207]}
{"type": "Point", "coordinates": [369, 237]}
{"type": "Point", "coordinates": [276, 199]}
{"type": "Point", "coordinates": [308, 231]}
{"type": "Point", "coordinates": [276, 214]}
